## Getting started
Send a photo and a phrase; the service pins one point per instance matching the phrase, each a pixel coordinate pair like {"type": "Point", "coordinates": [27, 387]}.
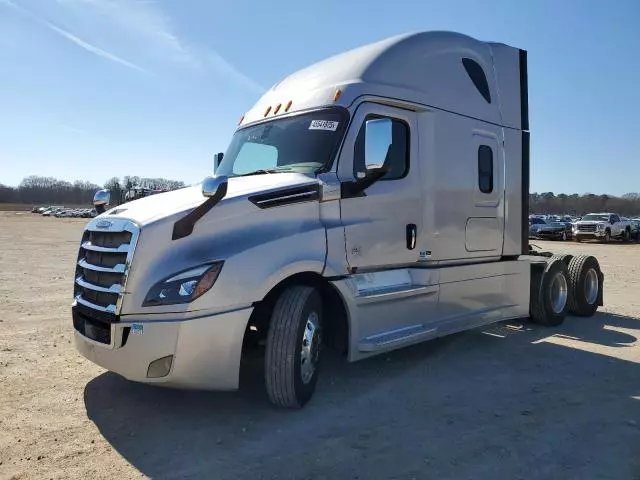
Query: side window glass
{"type": "Point", "coordinates": [382, 141]}
{"type": "Point", "coordinates": [485, 169]}
{"type": "Point", "coordinates": [615, 218]}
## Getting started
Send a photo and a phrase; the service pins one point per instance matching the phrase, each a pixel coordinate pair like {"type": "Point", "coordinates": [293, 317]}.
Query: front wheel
{"type": "Point", "coordinates": [564, 236]}
{"type": "Point", "coordinates": [293, 347]}
{"type": "Point", "coordinates": [626, 236]}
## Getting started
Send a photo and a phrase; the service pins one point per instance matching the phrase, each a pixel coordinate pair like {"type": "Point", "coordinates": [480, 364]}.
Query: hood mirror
{"type": "Point", "coordinates": [101, 200]}
{"type": "Point", "coordinates": [211, 185]}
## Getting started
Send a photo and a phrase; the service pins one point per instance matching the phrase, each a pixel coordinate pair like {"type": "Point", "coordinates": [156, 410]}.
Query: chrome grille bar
{"type": "Point", "coordinates": [124, 248]}
{"type": "Point", "coordinates": [86, 303]}
{"type": "Point", "coordinates": [115, 288]}
{"type": "Point", "coordinates": [117, 269]}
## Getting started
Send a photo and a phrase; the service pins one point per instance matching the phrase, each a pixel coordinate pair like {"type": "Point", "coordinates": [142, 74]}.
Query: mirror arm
{"type": "Point", "coordinates": [184, 227]}
{"type": "Point", "coordinates": [355, 188]}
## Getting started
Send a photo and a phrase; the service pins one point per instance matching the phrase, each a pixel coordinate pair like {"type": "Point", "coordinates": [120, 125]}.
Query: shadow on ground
{"type": "Point", "coordinates": [484, 404]}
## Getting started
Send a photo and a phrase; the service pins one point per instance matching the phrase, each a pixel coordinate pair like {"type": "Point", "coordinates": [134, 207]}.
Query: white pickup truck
{"type": "Point", "coordinates": [603, 227]}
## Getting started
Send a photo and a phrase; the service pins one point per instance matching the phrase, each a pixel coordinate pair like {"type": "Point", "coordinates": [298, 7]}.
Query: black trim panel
{"type": "Point", "coordinates": [525, 193]}
{"type": "Point", "coordinates": [287, 196]}
{"type": "Point", "coordinates": [478, 77]}
{"type": "Point", "coordinates": [524, 91]}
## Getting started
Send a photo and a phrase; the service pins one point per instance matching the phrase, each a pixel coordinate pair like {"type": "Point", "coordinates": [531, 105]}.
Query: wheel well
{"type": "Point", "coordinates": [335, 319]}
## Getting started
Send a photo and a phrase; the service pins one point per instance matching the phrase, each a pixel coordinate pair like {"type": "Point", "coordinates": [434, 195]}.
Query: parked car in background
{"type": "Point", "coordinates": [535, 223]}
{"type": "Point", "coordinates": [555, 231]}
{"type": "Point", "coordinates": [635, 228]}
{"type": "Point", "coordinates": [603, 227]}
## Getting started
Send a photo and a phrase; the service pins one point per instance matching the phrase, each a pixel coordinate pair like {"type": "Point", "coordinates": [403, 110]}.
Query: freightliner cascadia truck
{"type": "Point", "coordinates": [373, 200]}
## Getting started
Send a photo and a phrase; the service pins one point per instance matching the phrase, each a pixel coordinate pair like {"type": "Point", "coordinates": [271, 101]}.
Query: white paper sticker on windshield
{"type": "Point", "coordinates": [324, 125]}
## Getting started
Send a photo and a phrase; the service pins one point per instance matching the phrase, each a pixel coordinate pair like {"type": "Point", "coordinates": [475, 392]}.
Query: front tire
{"type": "Point", "coordinates": [293, 347]}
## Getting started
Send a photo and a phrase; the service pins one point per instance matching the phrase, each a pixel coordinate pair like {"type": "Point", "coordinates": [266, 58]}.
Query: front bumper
{"type": "Point", "coordinates": [596, 234]}
{"type": "Point", "coordinates": [206, 350]}
{"type": "Point", "coordinates": [552, 235]}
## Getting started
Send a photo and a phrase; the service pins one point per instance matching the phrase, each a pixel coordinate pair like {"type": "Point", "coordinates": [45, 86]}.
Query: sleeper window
{"type": "Point", "coordinates": [485, 169]}
{"type": "Point", "coordinates": [382, 141]}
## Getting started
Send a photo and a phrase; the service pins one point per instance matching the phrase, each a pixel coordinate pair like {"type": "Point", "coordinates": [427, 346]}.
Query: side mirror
{"type": "Point", "coordinates": [217, 158]}
{"type": "Point", "coordinates": [211, 185]}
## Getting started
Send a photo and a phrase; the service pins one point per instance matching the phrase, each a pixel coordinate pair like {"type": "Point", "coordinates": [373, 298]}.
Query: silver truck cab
{"type": "Point", "coordinates": [373, 200]}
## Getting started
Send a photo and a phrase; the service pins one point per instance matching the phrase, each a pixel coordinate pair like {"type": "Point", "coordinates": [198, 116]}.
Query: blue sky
{"type": "Point", "coordinates": [91, 89]}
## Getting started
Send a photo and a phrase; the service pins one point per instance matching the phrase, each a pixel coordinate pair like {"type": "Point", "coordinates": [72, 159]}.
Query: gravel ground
{"type": "Point", "coordinates": [514, 401]}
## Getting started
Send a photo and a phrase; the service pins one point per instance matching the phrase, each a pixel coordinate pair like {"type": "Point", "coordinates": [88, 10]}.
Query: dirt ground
{"type": "Point", "coordinates": [514, 401]}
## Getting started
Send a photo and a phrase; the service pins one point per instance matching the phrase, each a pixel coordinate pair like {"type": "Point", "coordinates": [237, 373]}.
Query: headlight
{"type": "Point", "coordinates": [600, 226]}
{"type": "Point", "coordinates": [183, 287]}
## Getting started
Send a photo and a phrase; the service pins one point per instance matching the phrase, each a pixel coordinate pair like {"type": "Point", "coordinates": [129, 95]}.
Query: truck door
{"type": "Point", "coordinates": [484, 232]}
{"type": "Point", "coordinates": [383, 222]}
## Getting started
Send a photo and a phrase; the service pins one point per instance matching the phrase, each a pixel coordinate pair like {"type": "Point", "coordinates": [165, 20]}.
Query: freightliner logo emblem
{"type": "Point", "coordinates": [103, 224]}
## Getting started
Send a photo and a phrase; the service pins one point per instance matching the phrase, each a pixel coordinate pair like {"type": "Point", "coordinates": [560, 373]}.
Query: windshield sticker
{"type": "Point", "coordinates": [324, 125]}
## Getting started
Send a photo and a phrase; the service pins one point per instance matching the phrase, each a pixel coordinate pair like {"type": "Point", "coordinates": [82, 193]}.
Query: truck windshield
{"type": "Point", "coordinates": [596, 218]}
{"type": "Point", "coordinates": [303, 143]}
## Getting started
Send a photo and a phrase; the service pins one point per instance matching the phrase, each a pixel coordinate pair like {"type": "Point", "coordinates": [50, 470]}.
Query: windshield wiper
{"type": "Point", "coordinates": [262, 171]}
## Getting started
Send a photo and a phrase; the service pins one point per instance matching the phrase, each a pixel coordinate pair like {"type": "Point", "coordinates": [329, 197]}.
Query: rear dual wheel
{"type": "Point", "coordinates": [585, 285]}
{"type": "Point", "coordinates": [567, 284]}
{"type": "Point", "coordinates": [549, 293]}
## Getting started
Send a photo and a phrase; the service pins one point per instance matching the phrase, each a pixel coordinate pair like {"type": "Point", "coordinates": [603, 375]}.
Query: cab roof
{"type": "Point", "coordinates": [445, 70]}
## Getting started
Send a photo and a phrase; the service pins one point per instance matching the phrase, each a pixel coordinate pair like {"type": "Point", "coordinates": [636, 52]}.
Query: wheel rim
{"type": "Point", "coordinates": [591, 286]}
{"type": "Point", "coordinates": [564, 235]}
{"type": "Point", "coordinates": [310, 350]}
{"type": "Point", "coordinates": [558, 293]}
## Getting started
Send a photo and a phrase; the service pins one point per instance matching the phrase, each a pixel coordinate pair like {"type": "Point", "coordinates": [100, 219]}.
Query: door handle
{"type": "Point", "coordinates": [412, 233]}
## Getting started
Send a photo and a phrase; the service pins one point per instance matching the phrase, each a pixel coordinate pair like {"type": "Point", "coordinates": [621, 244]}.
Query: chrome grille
{"type": "Point", "coordinates": [587, 228]}
{"type": "Point", "coordinates": [101, 272]}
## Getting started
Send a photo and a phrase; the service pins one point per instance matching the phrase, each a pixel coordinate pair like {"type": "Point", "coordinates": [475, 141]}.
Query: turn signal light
{"type": "Point", "coordinates": [337, 95]}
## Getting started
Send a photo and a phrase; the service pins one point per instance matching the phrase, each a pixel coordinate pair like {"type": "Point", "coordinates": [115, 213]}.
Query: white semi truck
{"type": "Point", "coordinates": [371, 201]}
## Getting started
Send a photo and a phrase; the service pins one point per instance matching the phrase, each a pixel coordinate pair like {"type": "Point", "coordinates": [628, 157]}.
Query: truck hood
{"type": "Point", "coordinates": [155, 207]}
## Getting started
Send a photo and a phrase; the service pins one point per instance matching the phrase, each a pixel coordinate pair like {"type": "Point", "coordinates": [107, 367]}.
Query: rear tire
{"type": "Point", "coordinates": [565, 257]}
{"type": "Point", "coordinates": [626, 236]}
{"type": "Point", "coordinates": [549, 303]}
{"type": "Point", "coordinates": [585, 285]}
{"type": "Point", "coordinates": [293, 347]}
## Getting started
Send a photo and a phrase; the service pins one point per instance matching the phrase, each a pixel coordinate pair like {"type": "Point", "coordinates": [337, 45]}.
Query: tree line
{"type": "Point", "coordinates": [37, 190]}
{"type": "Point", "coordinates": [548, 203]}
